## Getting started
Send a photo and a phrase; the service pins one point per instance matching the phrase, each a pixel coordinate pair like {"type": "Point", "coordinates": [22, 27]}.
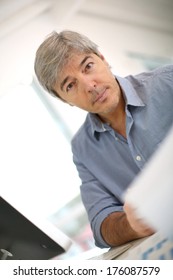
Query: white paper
{"type": "Point", "coordinates": [152, 191]}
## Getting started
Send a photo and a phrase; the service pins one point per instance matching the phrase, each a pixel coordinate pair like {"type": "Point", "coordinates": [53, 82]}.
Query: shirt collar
{"type": "Point", "coordinates": [129, 92]}
{"type": "Point", "coordinates": [131, 98]}
{"type": "Point", "coordinates": [96, 124]}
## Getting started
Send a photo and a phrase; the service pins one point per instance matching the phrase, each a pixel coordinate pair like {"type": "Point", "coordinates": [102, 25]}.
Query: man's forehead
{"type": "Point", "coordinates": [74, 62]}
{"type": "Point", "coordinates": [76, 58]}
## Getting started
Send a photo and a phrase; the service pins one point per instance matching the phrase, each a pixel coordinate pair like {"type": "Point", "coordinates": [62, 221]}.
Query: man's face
{"type": "Point", "coordinates": [87, 82]}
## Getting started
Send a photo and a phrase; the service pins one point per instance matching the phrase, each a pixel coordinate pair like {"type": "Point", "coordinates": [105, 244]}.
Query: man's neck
{"type": "Point", "coordinates": [120, 126]}
{"type": "Point", "coordinates": [117, 119]}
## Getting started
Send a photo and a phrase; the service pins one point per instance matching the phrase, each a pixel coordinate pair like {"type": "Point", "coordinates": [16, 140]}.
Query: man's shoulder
{"type": "Point", "coordinates": [157, 72]}
{"type": "Point", "coordinates": [149, 83]}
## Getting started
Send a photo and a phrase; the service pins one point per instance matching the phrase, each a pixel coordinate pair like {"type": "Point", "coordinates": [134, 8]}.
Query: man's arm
{"type": "Point", "coordinates": [117, 229]}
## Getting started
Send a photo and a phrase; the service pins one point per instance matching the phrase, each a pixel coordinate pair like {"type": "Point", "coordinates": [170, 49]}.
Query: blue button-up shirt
{"type": "Point", "coordinates": [106, 161]}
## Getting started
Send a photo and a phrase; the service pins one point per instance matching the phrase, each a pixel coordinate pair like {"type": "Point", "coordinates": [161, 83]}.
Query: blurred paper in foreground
{"type": "Point", "coordinates": [151, 193]}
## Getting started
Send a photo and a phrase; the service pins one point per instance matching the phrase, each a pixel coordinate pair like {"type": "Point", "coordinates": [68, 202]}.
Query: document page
{"type": "Point", "coordinates": [151, 193]}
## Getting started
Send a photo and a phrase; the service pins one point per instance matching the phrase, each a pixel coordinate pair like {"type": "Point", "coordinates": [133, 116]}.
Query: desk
{"type": "Point", "coordinates": [155, 247]}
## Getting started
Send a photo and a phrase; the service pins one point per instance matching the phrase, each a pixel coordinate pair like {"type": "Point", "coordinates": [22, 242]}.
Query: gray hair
{"type": "Point", "coordinates": [55, 52]}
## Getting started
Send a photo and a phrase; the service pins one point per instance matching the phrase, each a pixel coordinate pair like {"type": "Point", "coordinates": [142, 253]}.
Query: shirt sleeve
{"type": "Point", "coordinates": [98, 201]}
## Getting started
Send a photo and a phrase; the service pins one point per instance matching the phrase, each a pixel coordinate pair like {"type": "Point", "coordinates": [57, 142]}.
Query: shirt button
{"type": "Point", "coordinates": [138, 158]}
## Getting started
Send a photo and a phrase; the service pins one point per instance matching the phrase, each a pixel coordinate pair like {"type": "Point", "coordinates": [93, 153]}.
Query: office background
{"type": "Point", "coordinates": [36, 160]}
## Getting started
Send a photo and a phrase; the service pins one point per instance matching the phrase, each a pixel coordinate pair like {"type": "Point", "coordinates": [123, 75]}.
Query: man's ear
{"type": "Point", "coordinates": [103, 58]}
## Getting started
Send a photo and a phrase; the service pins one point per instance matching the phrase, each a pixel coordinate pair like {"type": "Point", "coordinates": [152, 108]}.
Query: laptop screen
{"type": "Point", "coordinates": [23, 239]}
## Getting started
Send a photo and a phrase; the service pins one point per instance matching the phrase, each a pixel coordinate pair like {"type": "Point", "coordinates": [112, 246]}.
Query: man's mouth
{"type": "Point", "coordinates": [101, 96]}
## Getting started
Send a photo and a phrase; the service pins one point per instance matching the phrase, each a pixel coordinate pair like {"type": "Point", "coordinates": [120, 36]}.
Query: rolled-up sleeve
{"type": "Point", "coordinates": [98, 202]}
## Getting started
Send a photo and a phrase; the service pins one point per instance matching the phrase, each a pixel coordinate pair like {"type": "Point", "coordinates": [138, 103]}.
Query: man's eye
{"type": "Point", "coordinates": [89, 66]}
{"type": "Point", "coordinates": [69, 87]}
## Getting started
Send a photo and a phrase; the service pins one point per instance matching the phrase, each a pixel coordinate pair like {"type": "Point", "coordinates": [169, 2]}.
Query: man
{"type": "Point", "coordinates": [127, 120]}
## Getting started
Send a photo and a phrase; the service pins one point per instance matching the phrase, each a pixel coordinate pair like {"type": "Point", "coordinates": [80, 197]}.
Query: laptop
{"type": "Point", "coordinates": [28, 238]}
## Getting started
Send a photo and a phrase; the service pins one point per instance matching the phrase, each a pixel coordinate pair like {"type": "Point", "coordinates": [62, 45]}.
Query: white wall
{"type": "Point", "coordinates": [115, 36]}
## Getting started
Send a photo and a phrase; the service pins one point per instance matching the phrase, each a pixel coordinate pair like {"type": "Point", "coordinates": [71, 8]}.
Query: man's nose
{"type": "Point", "coordinates": [89, 84]}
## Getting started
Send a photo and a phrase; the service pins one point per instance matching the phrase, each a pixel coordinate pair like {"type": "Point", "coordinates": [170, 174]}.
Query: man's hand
{"type": "Point", "coordinates": [136, 223]}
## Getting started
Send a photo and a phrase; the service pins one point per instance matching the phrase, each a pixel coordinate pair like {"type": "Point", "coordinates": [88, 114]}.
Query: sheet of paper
{"type": "Point", "coordinates": [155, 247]}
{"type": "Point", "coordinates": [112, 253]}
{"type": "Point", "coordinates": [151, 193]}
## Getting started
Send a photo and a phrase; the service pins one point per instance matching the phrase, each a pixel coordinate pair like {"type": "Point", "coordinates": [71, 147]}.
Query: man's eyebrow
{"type": "Point", "coordinates": [64, 82]}
{"type": "Point", "coordinates": [84, 60]}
